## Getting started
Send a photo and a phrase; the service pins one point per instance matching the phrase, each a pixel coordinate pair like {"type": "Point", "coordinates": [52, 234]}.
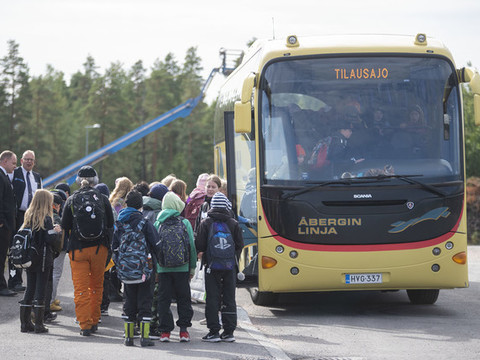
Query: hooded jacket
{"type": "Point", "coordinates": [151, 208]}
{"type": "Point", "coordinates": [132, 217]}
{"type": "Point", "coordinates": [172, 206]}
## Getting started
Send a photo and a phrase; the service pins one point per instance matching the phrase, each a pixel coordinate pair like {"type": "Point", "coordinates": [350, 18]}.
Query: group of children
{"type": "Point", "coordinates": [169, 247]}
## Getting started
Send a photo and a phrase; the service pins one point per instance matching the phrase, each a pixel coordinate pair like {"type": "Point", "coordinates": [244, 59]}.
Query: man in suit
{"type": "Point", "coordinates": [8, 162]}
{"type": "Point", "coordinates": [25, 183]}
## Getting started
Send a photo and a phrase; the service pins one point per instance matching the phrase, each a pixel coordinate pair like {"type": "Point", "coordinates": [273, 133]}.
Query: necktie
{"type": "Point", "coordinates": [29, 188]}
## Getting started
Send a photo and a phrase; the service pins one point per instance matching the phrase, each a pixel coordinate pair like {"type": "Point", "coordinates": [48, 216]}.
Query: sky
{"type": "Point", "coordinates": [63, 33]}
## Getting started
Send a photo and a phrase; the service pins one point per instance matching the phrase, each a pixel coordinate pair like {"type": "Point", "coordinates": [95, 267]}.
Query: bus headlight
{"type": "Point", "coordinates": [293, 254]}
{"type": "Point", "coordinates": [436, 251]}
{"type": "Point", "coordinates": [449, 245]}
{"type": "Point", "coordinates": [435, 267]}
{"type": "Point", "coordinates": [279, 249]}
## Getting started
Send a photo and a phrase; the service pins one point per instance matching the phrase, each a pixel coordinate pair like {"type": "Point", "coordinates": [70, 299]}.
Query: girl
{"type": "Point", "coordinates": [214, 183]}
{"type": "Point", "coordinates": [38, 218]}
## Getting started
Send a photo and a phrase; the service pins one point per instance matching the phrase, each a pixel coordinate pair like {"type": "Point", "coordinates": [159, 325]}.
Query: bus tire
{"type": "Point", "coordinates": [262, 298]}
{"type": "Point", "coordinates": [423, 297]}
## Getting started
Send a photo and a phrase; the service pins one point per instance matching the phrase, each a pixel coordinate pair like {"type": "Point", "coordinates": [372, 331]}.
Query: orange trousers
{"type": "Point", "coordinates": [88, 268]}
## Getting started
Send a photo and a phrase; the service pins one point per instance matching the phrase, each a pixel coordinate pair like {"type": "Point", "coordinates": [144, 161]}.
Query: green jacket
{"type": "Point", "coordinates": [162, 216]}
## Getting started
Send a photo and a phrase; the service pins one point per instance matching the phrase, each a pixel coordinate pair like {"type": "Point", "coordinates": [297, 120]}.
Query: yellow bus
{"type": "Point", "coordinates": [344, 157]}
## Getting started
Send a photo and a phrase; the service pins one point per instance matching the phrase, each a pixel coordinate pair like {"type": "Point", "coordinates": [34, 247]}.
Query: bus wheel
{"type": "Point", "coordinates": [262, 298]}
{"type": "Point", "coordinates": [423, 297]}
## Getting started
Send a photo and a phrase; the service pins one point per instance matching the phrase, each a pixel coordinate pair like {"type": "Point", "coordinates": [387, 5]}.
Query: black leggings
{"type": "Point", "coordinates": [36, 286]}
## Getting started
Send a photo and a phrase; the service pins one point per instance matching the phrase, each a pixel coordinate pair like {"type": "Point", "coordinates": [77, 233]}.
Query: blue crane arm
{"type": "Point", "coordinates": [69, 173]}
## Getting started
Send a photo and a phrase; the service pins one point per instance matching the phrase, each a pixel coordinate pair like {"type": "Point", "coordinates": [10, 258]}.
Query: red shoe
{"type": "Point", "coordinates": [165, 337]}
{"type": "Point", "coordinates": [184, 336]}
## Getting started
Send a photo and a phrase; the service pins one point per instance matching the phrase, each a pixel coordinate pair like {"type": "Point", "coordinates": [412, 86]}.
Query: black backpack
{"type": "Point", "coordinates": [25, 251]}
{"type": "Point", "coordinates": [220, 247]}
{"type": "Point", "coordinates": [88, 214]}
{"type": "Point", "coordinates": [174, 243]}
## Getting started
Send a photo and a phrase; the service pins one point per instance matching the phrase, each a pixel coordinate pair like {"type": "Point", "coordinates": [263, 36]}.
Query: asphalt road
{"type": "Point", "coordinates": [354, 325]}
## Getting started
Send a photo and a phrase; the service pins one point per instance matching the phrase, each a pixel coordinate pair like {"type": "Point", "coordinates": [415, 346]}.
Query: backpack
{"type": "Point", "coordinates": [320, 152]}
{"type": "Point", "coordinates": [132, 258]}
{"type": "Point", "coordinates": [88, 214]}
{"type": "Point", "coordinates": [25, 251]}
{"type": "Point", "coordinates": [174, 243]}
{"type": "Point", "coordinates": [193, 208]}
{"type": "Point", "coordinates": [220, 247]}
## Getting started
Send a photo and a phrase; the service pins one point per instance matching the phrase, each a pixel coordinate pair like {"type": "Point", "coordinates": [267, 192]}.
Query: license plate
{"type": "Point", "coordinates": [363, 278]}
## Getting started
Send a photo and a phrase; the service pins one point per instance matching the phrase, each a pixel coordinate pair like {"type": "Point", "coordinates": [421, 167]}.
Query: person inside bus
{"type": "Point", "coordinates": [335, 148]}
{"type": "Point", "coordinates": [413, 136]}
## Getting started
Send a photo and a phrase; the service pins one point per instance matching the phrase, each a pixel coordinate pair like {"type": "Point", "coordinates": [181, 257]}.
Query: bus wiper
{"type": "Point", "coordinates": [310, 188]}
{"type": "Point", "coordinates": [408, 179]}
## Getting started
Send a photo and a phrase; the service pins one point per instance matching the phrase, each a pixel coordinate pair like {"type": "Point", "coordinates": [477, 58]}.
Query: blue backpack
{"type": "Point", "coordinates": [220, 247]}
{"type": "Point", "coordinates": [131, 260]}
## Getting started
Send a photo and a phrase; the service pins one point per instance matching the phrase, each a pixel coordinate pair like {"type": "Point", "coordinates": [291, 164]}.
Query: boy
{"type": "Point", "coordinates": [138, 292]}
{"type": "Point", "coordinates": [220, 278]}
{"type": "Point", "coordinates": [174, 278]}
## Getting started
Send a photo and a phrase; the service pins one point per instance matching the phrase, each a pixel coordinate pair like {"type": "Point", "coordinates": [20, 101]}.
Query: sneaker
{"type": "Point", "coordinates": [184, 336]}
{"type": "Point", "coordinates": [49, 317]}
{"type": "Point", "coordinates": [165, 337]}
{"type": "Point", "coordinates": [203, 322]}
{"type": "Point", "coordinates": [56, 302]}
{"type": "Point", "coordinates": [94, 328]}
{"type": "Point", "coordinates": [104, 312]}
{"type": "Point", "coordinates": [227, 337]}
{"type": "Point", "coordinates": [212, 337]}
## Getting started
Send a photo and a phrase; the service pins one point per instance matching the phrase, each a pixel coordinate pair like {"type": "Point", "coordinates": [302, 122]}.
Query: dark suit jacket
{"type": "Point", "coordinates": [8, 204]}
{"type": "Point", "coordinates": [19, 184]}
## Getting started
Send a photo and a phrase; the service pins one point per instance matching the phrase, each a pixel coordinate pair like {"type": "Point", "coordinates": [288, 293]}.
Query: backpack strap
{"type": "Point", "coordinates": [141, 224]}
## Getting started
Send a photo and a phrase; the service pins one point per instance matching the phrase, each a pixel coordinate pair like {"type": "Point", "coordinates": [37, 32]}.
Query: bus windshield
{"type": "Point", "coordinates": [327, 118]}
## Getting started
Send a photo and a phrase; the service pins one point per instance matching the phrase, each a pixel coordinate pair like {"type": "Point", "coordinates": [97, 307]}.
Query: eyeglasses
{"type": "Point", "coordinates": [28, 159]}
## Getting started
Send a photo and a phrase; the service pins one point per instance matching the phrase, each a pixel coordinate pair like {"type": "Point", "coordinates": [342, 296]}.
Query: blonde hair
{"type": "Point", "coordinates": [40, 207]}
{"type": "Point", "coordinates": [123, 186]}
{"type": "Point", "coordinates": [179, 187]}
{"type": "Point", "coordinates": [167, 180]}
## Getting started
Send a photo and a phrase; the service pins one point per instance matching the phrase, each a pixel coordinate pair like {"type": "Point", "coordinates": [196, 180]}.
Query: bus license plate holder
{"type": "Point", "coordinates": [363, 278]}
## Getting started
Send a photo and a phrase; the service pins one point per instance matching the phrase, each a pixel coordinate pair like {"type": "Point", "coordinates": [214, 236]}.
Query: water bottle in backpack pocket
{"type": "Point", "coordinates": [25, 251]}
{"type": "Point", "coordinates": [220, 247]}
{"type": "Point", "coordinates": [174, 244]}
{"type": "Point", "coordinates": [88, 214]}
{"type": "Point", "coordinates": [131, 259]}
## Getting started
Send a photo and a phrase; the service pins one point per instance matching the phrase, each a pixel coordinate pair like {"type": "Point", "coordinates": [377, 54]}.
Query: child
{"type": "Point", "coordinates": [38, 218]}
{"type": "Point", "coordinates": [138, 293]}
{"type": "Point", "coordinates": [220, 281]}
{"type": "Point", "coordinates": [175, 281]}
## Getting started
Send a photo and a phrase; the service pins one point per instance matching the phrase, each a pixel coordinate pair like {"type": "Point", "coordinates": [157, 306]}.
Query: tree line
{"type": "Point", "coordinates": [49, 115]}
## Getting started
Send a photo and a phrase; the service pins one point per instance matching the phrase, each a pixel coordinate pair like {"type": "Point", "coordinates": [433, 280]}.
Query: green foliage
{"type": "Point", "coordinates": [50, 117]}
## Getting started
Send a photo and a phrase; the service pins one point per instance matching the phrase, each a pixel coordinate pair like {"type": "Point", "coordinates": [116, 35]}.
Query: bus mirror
{"type": "Point", "coordinates": [476, 108]}
{"type": "Point", "coordinates": [470, 76]}
{"type": "Point", "coordinates": [243, 117]}
{"type": "Point", "coordinates": [243, 108]}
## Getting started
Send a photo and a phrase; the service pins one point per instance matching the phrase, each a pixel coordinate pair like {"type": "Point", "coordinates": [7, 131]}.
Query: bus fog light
{"type": "Point", "coordinates": [293, 254]}
{"type": "Point", "coordinates": [449, 245]}
{"type": "Point", "coordinates": [436, 251]}
{"type": "Point", "coordinates": [435, 267]}
{"type": "Point", "coordinates": [279, 249]}
{"type": "Point", "coordinates": [294, 271]}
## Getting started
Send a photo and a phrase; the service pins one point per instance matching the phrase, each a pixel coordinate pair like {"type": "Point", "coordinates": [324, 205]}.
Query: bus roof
{"type": "Point", "coordinates": [346, 44]}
